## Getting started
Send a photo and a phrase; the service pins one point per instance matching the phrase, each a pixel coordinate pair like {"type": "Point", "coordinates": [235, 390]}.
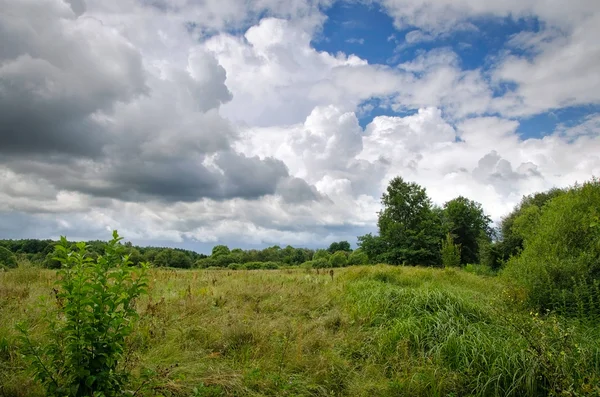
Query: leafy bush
{"type": "Point", "coordinates": [560, 263]}
{"type": "Point", "coordinates": [490, 254]}
{"type": "Point", "coordinates": [338, 259]}
{"type": "Point", "coordinates": [450, 252]}
{"type": "Point", "coordinates": [358, 257]}
{"type": "Point", "coordinates": [7, 259]}
{"type": "Point", "coordinates": [260, 265]}
{"type": "Point", "coordinates": [87, 334]}
{"type": "Point", "coordinates": [321, 254]}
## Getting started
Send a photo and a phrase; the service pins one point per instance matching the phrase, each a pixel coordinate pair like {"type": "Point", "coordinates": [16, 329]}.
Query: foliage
{"type": "Point", "coordinates": [338, 259]}
{"type": "Point", "coordinates": [220, 250]}
{"type": "Point", "coordinates": [512, 240]}
{"type": "Point", "coordinates": [172, 258]}
{"type": "Point", "coordinates": [7, 259]}
{"type": "Point", "coordinates": [96, 300]}
{"type": "Point", "coordinates": [560, 263]}
{"type": "Point", "coordinates": [339, 246]}
{"type": "Point", "coordinates": [490, 254]}
{"type": "Point", "coordinates": [373, 246]}
{"type": "Point", "coordinates": [468, 224]}
{"type": "Point", "coordinates": [358, 257]}
{"type": "Point", "coordinates": [408, 226]}
{"type": "Point", "coordinates": [480, 270]}
{"type": "Point", "coordinates": [451, 252]}
{"type": "Point", "coordinates": [321, 254]}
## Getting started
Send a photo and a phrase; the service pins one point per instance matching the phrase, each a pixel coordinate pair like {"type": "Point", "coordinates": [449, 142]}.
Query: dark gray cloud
{"type": "Point", "coordinates": [56, 73]}
{"type": "Point", "coordinates": [296, 190]}
{"type": "Point", "coordinates": [81, 113]}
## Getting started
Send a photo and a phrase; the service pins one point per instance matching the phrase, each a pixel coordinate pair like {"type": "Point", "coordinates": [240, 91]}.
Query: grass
{"type": "Point", "coordinates": [371, 331]}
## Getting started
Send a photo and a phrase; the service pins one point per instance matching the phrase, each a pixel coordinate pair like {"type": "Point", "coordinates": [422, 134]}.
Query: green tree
{"type": "Point", "coordinates": [321, 254]}
{"type": "Point", "coordinates": [559, 265]}
{"type": "Point", "coordinates": [408, 225]}
{"type": "Point", "coordinates": [339, 246]}
{"type": "Point", "coordinates": [338, 259]}
{"type": "Point", "coordinates": [358, 257]}
{"type": "Point", "coordinates": [373, 246]}
{"type": "Point", "coordinates": [469, 225]}
{"type": "Point", "coordinates": [220, 250]}
{"type": "Point", "coordinates": [7, 259]}
{"type": "Point", "coordinates": [450, 252]}
{"type": "Point", "coordinates": [511, 238]}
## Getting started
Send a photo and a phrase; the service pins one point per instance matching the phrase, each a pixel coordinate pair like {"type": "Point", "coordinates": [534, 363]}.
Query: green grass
{"type": "Point", "coordinates": [371, 331]}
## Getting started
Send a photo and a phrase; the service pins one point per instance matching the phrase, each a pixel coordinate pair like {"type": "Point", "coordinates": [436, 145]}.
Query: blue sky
{"type": "Point", "coordinates": [368, 31]}
{"type": "Point", "coordinates": [254, 123]}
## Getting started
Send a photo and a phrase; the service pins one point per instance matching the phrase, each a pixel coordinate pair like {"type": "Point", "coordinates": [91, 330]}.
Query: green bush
{"type": "Point", "coordinates": [450, 252]}
{"type": "Point", "coordinates": [560, 264]}
{"type": "Point", "coordinates": [7, 259]}
{"type": "Point", "coordinates": [338, 259]}
{"type": "Point", "coordinates": [235, 266]}
{"type": "Point", "coordinates": [260, 265]}
{"type": "Point", "coordinates": [358, 257]}
{"type": "Point", "coordinates": [87, 334]}
{"type": "Point", "coordinates": [321, 254]}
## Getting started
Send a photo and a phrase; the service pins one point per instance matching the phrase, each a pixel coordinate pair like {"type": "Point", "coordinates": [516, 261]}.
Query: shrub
{"type": "Point", "coordinates": [358, 257]}
{"type": "Point", "coordinates": [87, 334]}
{"type": "Point", "coordinates": [7, 259]}
{"type": "Point", "coordinates": [450, 252]}
{"type": "Point", "coordinates": [260, 265]}
{"type": "Point", "coordinates": [559, 265]}
{"type": "Point", "coordinates": [235, 266]}
{"type": "Point", "coordinates": [321, 254]}
{"type": "Point", "coordinates": [338, 259]}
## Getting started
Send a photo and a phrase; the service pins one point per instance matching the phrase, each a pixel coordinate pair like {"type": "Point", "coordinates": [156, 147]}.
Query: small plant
{"type": "Point", "coordinates": [450, 252]}
{"type": "Point", "coordinates": [96, 312]}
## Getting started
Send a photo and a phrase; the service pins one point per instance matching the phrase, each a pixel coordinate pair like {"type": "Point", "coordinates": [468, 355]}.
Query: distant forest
{"type": "Point", "coordinates": [411, 231]}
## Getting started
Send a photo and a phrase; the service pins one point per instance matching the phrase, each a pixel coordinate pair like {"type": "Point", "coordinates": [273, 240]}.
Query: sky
{"type": "Point", "coordinates": [191, 123]}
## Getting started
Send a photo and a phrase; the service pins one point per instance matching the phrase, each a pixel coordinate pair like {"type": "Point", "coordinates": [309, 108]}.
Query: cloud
{"type": "Point", "coordinates": [354, 40]}
{"type": "Point", "coordinates": [56, 72]}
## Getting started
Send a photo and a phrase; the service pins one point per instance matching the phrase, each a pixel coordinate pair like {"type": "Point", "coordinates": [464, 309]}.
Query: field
{"type": "Point", "coordinates": [366, 331]}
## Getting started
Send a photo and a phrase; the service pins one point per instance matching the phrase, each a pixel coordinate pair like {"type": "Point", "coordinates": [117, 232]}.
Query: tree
{"type": "Point", "coordinates": [7, 259]}
{"type": "Point", "coordinates": [358, 257]}
{"type": "Point", "coordinates": [338, 259]}
{"type": "Point", "coordinates": [408, 226]}
{"type": "Point", "coordinates": [559, 265]}
{"type": "Point", "coordinates": [339, 246]}
{"type": "Point", "coordinates": [512, 240]}
{"type": "Point", "coordinates": [450, 252]}
{"type": "Point", "coordinates": [373, 246]}
{"type": "Point", "coordinates": [321, 254]}
{"type": "Point", "coordinates": [468, 224]}
{"type": "Point", "coordinates": [220, 250]}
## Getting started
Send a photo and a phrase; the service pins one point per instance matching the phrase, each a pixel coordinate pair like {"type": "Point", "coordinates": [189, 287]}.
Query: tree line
{"type": "Point", "coordinates": [41, 252]}
{"type": "Point", "coordinates": [547, 248]}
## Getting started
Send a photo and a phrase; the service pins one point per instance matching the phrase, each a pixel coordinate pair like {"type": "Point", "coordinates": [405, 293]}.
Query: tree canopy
{"type": "Point", "coordinates": [409, 230]}
{"type": "Point", "coordinates": [466, 221]}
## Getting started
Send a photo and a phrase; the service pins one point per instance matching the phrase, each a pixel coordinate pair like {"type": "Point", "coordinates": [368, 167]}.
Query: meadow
{"type": "Point", "coordinates": [367, 331]}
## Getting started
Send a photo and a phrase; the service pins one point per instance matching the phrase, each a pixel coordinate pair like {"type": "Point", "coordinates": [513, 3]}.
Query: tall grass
{"type": "Point", "coordinates": [371, 331]}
